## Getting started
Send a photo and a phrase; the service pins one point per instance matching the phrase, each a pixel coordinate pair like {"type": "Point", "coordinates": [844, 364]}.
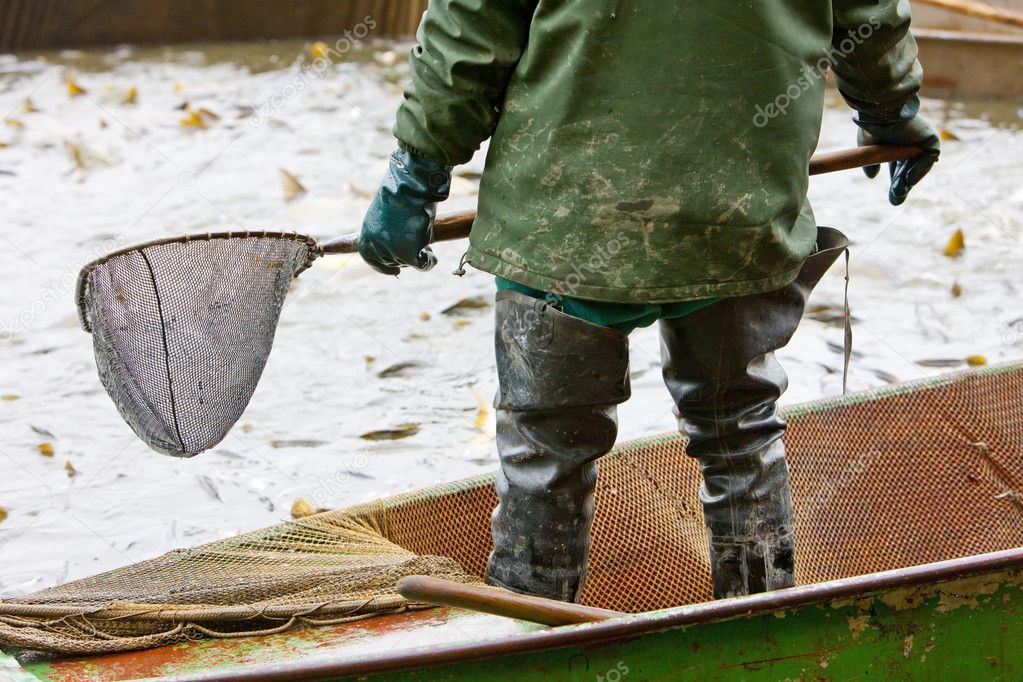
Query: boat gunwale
{"type": "Point", "coordinates": [934, 381]}
{"type": "Point", "coordinates": [954, 36]}
{"type": "Point", "coordinates": [634, 625]}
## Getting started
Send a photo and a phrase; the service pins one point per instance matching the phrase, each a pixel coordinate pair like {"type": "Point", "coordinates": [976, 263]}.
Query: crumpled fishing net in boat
{"type": "Point", "coordinates": [328, 568]}
{"type": "Point", "coordinates": [905, 475]}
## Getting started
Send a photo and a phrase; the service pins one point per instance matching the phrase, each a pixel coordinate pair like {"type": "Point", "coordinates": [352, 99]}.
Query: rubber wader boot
{"type": "Point", "coordinates": [720, 369]}
{"type": "Point", "coordinates": [560, 379]}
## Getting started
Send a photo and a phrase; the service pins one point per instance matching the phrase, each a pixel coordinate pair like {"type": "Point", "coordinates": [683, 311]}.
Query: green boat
{"type": "Point", "coordinates": [910, 566]}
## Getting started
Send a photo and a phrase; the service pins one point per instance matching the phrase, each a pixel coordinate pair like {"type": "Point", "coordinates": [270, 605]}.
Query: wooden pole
{"type": "Point", "coordinates": [499, 602]}
{"type": "Point", "coordinates": [982, 10]}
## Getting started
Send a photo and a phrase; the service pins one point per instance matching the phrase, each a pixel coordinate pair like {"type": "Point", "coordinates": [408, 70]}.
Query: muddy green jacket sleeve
{"type": "Point", "coordinates": [466, 51]}
{"type": "Point", "coordinates": [874, 56]}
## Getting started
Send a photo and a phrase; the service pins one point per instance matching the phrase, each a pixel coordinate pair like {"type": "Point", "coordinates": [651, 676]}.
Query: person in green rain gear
{"type": "Point", "coordinates": [648, 163]}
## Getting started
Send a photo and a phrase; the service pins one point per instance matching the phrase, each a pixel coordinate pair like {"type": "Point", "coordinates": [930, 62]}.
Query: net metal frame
{"type": "Point", "coordinates": [316, 251]}
{"type": "Point", "coordinates": [182, 328]}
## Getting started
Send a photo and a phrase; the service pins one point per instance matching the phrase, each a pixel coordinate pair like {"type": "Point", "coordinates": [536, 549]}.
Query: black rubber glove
{"type": "Point", "coordinates": [398, 226]}
{"type": "Point", "coordinates": [906, 128]}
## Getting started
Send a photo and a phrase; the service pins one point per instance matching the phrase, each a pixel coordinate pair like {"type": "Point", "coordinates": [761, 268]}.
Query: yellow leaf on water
{"type": "Point", "coordinates": [3, 514]}
{"type": "Point", "coordinates": [302, 507]}
{"type": "Point", "coordinates": [130, 96]}
{"type": "Point", "coordinates": [45, 449]}
{"type": "Point", "coordinates": [957, 290]}
{"type": "Point", "coordinates": [28, 107]}
{"type": "Point", "coordinates": [178, 86]}
{"type": "Point", "coordinates": [76, 155]}
{"type": "Point", "coordinates": [369, 359]}
{"type": "Point", "coordinates": [9, 398]}
{"type": "Point", "coordinates": [73, 88]}
{"type": "Point", "coordinates": [956, 244]}
{"type": "Point", "coordinates": [482, 414]}
{"type": "Point", "coordinates": [70, 469]}
{"type": "Point", "coordinates": [193, 120]}
{"type": "Point", "coordinates": [207, 114]}
{"type": "Point", "coordinates": [947, 135]}
{"type": "Point", "coordinates": [318, 50]}
{"type": "Point", "coordinates": [458, 324]}
{"type": "Point", "coordinates": [424, 316]}
{"type": "Point", "coordinates": [398, 369]}
{"type": "Point", "coordinates": [387, 57]}
{"type": "Point", "coordinates": [290, 184]}
{"type": "Point", "coordinates": [397, 433]}
{"type": "Point", "coordinates": [471, 303]}
{"type": "Point", "coordinates": [102, 123]}
{"type": "Point", "coordinates": [14, 123]}
{"type": "Point", "coordinates": [976, 361]}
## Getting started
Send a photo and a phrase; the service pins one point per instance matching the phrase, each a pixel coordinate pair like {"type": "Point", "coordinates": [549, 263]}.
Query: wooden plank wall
{"type": "Point", "coordinates": [37, 24]}
{"type": "Point", "coordinates": [928, 16]}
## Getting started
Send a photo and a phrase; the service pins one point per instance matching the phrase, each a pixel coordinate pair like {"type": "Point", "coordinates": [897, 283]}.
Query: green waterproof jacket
{"type": "Point", "coordinates": [646, 151]}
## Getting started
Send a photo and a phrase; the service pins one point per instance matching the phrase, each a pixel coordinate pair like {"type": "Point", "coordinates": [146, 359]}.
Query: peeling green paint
{"type": "Point", "coordinates": [960, 629]}
{"type": "Point", "coordinates": [965, 593]}
{"type": "Point", "coordinates": [857, 624]}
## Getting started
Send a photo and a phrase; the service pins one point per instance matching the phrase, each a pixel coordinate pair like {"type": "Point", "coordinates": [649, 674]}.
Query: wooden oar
{"type": "Point", "coordinates": [456, 225]}
{"type": "Point", "coordinates": [499, 602]}
{"type": "Point", "coordinates": [981, 10]}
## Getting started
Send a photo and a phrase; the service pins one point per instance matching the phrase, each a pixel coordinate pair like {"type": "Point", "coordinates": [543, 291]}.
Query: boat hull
{"type": "Point", "coordinates": [951, 620]}
{"type": "Point", "coordinates": [937, 595]}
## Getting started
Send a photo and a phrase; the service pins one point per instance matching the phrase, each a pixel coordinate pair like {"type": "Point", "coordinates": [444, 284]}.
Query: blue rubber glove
{"type": "Point", "coordinates": [398, 226]}
{"type": "Point", "coordinates": [905, 128]}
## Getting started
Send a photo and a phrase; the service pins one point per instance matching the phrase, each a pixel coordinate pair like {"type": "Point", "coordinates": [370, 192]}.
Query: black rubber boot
{"type": "Point", "coordinates": [560, 379]}
{"type": "Point", "coordinates": [720, 369]}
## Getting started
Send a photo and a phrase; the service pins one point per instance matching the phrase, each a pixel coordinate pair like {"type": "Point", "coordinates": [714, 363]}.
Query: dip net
{"type": "Point", "coordinates": [182, 329]}
{"type": "Point", "coordinates": [909, 474]}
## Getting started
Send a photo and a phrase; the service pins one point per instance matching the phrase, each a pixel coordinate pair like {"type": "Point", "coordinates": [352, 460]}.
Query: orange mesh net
{"type": "Point", "coordinates": [921, 472]}
{"type": "Point", "coordinates": [906, 475]}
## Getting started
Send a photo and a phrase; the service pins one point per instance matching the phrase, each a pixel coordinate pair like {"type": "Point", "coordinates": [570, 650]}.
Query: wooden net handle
{"type": "Point", "coordinates": [499, 602]}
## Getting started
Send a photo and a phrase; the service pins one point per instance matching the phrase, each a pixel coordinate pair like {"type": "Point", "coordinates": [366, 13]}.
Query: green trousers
{"type": "Point", "coordinates": [622, 316]}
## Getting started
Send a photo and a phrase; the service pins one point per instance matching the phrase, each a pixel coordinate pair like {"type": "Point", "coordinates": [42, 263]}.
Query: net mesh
{"type": "Point", "coordinates": [907, 475]}
{"type": "Point", "coordinates": [182, 330]}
